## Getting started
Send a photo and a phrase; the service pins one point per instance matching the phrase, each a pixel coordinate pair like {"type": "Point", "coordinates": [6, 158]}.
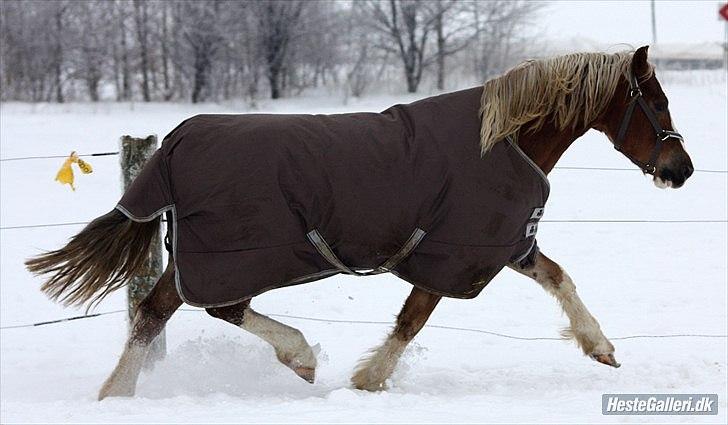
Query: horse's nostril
{"type": "Point", "coordinates": [688, 170]}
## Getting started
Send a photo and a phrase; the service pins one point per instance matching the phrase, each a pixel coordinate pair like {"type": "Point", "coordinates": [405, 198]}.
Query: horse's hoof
{"type": "Point", "coordinates": [363, 381]}
{"type": "Point", "coordinates": [306, 373]}
{"type": "Point", "coordinates": [370, 386]}
{"type": "Point", "coordinates": [607, 359]}
{"type": "Point", "coordinates": [109, 391]}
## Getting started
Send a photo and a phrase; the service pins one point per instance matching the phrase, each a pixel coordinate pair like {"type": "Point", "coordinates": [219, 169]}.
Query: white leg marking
{"type": "Point", "coordinates": [374, 369]}
{"type": "Point", "coordinates": [122, 381]}
{"type": "Point", "coordinates": [584, 327]}
{"type": "Point", "coordinates": [289, 343]}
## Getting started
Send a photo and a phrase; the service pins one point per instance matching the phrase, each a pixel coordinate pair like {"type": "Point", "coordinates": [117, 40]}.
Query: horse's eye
{"type": "Point", "coordinates": [660, 106]}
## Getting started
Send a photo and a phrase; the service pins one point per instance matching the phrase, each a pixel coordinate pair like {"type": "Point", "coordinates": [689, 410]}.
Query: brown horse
{"type": "Point", "coordinates": [540, 107]}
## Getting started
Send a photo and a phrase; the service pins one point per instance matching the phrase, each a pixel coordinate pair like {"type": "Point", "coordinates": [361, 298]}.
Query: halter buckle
{"type": "Point", "coordinates": [635, 92]}
{"type": "Point", "coordinates": [666, 134]}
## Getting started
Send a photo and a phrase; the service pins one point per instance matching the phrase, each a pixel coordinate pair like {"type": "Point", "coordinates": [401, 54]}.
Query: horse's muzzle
{"type": "Point", "coordinates": [674, 176]}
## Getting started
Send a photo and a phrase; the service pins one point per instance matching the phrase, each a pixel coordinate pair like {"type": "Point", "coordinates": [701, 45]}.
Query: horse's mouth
{"type": "Point", "coordinates": [667, 179]}
{"type": "Point", "coordinates": [662, 183]}
{"type": "Point", "coordinates": [673, 176]}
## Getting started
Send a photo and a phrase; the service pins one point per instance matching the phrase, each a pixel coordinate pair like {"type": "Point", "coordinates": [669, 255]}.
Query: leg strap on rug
{"type": "Point", "coordinates": [325, 250]}
{"type": "Point", "coordinates": [168, 235]}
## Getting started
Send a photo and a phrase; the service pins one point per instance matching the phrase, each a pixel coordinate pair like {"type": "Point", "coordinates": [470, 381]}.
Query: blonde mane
{"type": "Point", "coordinates": [571, 89]}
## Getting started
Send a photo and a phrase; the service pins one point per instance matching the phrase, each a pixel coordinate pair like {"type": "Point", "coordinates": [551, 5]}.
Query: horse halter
{"type": "Point", "coordinates": [661, 135]}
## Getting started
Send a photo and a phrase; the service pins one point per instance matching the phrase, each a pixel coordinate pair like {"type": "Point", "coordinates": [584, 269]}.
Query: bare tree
{"type": "Point", "coordinates": [122, 58]}
{"type": "Point", "coordinates": [164, 43]}
{"type": "Point", "coordinates": [454, 31]}
{"type": "Point", "coordinates": [407, 25]}
{"type": "Point", "coordinates": [278, 21]}
{"type": "Point", "coordinates": [500, 28]}
{"type": "Point", "coordinates": [141, 20]}
{"type": "Point", "coordinates": [58, 57]}
{"type": "Point", "coordinates": [251, 56]}
{"type": "Point", "coordinates": [202, 38]}
{"type": "Point", "coordinates": [360, 58]}
{"type": "Point", "coordinates": [31, 62]}
{"type": "Point", "coordinates": [217, 49]}
{"type": "Point", "coordinates": [89, 27]}
{"type": "Point", "coordinates": [441, 40]}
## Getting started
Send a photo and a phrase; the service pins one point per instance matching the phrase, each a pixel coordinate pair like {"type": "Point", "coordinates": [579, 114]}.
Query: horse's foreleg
{"type": "Point", "coordinates": [583, 328]}
{"type": "Point", "coordinates": [374, 369]}
{"type": "Point", "coordinates": [149, 320]}
{"type": "Point", "coordinates": [289, 343]}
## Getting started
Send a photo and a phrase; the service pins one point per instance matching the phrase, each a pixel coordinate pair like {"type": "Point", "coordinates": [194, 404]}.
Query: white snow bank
{"type": "Point", "coordinates": [637, 279]}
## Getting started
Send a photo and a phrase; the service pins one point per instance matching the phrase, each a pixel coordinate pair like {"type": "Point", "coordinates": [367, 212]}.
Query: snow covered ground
{"type": "Point", "coordinates": [637, 279]}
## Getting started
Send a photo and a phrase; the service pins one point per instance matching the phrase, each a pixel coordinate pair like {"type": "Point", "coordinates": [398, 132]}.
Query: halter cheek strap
{"type": "Point", "coordinates": [661, 135]}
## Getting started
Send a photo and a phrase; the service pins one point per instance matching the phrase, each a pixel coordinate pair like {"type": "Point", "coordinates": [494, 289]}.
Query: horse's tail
{"type": "Point", "coordinates": [97, 261]}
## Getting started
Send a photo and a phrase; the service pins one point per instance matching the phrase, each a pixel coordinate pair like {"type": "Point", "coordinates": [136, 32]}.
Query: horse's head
{"type": "Point", "coordinates": [638, 123]}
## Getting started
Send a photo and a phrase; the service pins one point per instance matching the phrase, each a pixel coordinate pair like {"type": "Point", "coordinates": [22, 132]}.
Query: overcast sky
{"type": "Point", "coordinates": [612, 22]}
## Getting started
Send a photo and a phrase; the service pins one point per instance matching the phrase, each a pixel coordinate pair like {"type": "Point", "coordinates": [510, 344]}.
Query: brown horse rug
{"type": "Point", "coordinates": [259, 202]}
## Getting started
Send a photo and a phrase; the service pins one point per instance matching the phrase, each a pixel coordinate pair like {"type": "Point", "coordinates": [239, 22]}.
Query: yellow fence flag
{"type": "Point", "coordinates": [65, 174]}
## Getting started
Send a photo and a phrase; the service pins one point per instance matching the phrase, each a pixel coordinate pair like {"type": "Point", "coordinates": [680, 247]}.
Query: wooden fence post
{"type": "Point", "coordinates": [134, 153]}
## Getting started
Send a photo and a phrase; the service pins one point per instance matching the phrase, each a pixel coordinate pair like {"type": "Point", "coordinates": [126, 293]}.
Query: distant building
{"type": "Point", "coordinates": [669, 56]}
{"type": "Point", "coordinates": [687, 56]}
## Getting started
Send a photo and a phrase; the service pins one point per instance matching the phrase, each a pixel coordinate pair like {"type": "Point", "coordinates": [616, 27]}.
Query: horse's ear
{"type": "Point", "coordinates": [639, 61]}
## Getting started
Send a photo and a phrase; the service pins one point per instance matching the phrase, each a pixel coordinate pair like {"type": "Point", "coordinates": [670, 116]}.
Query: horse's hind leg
{"type": "Point", "coordinates": [151, 316]}
{"type": "Point", "coordinates": [289, 343]}
{"type": "Point", "coordinates": [374, 370]}
{"type": "Point", "coordinates": [584, 328]}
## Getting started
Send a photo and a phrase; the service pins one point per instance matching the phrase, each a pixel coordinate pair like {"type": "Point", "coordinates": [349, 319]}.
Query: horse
{"type": "Point", "coordinates": [487, 149]}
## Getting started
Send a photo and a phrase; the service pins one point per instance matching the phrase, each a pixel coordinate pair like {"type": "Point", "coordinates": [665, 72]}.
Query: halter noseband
{"type": "Point", "coordinates": [661, 135]}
